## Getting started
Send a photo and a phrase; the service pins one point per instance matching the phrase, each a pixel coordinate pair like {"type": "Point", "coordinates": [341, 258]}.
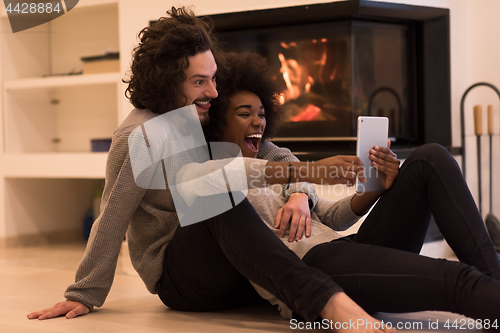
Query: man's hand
{"type": "Point", "coordinates": [296, 212]}
{"type": "Point", "coordinates": [69, 308]}
{"type": "Point", "coordinates": [341, 169]}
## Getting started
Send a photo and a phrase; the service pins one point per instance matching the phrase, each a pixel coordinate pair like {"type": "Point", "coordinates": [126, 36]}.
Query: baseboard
{"type": "Point", "coordinates": [62, 236]}
{"type": "Point", "coordinates": [438, 249]}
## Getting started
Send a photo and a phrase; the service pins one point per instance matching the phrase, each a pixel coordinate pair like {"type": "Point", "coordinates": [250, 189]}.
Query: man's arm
{"type": "Point", "coordinates": [95, 273]}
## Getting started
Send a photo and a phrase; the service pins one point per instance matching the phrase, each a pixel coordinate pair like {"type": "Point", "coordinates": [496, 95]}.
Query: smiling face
{"type": "Point", "coordinates": [245, 122]}
{"type": "Point", "coordinates": [199, 85]}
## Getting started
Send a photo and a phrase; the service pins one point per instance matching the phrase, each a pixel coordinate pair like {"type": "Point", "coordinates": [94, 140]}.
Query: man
{"type": "Point", "coordinates": [205, 266]}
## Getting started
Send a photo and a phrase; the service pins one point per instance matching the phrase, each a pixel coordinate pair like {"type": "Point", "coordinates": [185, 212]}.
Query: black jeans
{"type": "Point", "coordinates": [208, 264]}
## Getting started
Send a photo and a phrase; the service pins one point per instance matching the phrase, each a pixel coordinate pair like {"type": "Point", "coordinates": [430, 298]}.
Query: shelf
{"type": "Point", "coordinates": [55, 165]}
{"type": "Point", "coordinates": [59, 115]}
{"type": "Point", "coordinates": [58, 46]}
{"type": "Point", "coordinates": [62, 81]}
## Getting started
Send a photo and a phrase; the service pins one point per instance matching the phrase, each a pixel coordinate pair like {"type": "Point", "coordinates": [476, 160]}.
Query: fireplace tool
{"type": "Point", "coordinates": [478, 129]}
{"type": "Point", "coordinates": [491, 222]}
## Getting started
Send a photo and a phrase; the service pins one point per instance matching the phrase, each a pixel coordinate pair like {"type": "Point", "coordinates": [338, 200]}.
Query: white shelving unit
{"type": "Point", "coordinates": [55, 165]}
{"type": "Point", "coordinates": [59, 114]}
{"type": "Point", "coordinates": [49, 118]}
{"type": "Point", "coordinates": [62, 81]}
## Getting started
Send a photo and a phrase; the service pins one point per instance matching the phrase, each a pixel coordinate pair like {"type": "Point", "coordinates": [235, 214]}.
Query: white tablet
{"type": "Point", "coordinates": [372, 131]}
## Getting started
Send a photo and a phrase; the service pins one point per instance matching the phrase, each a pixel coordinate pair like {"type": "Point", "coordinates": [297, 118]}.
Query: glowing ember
{"type": "Point", "coordinates": [334, 72]}
{"type": "Point", "coordinates": [281, 98]}
{"type": "Point", "coordinates": [310, 112]}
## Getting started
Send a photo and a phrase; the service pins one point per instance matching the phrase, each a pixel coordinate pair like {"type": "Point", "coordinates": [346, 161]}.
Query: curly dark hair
{"type": "Point", "coordinates": [250, 72]}
{"type": "Point", "coordinates": [160, 59]}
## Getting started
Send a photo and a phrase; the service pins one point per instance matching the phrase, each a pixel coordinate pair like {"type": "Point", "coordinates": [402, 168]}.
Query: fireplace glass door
{"type": "Point", "coordinates": [334, 72]}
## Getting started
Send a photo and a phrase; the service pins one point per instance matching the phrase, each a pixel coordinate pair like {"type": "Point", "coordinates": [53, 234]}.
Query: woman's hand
{"type": "Point", "coordinates": [69, 308]}
{"type": "Point", "coordinates": [296, 212]}
{"type": "Point", "coordinates": [386, 161]}
{"type": "Point", "coordinates": [388, 164]}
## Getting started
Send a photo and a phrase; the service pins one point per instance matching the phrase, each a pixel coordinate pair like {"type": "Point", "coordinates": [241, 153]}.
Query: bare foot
{"type": "Point", "coordinates": [345, 316]}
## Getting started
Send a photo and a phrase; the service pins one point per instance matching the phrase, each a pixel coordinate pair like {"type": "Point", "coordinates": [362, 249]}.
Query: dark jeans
{"type": "Point", "coordinates": [207, 264]}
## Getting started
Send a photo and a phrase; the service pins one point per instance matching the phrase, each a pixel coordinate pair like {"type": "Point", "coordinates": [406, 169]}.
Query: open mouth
{"type": "Point", "coordinates": [203, 105]}
{"type": "Point", "coordinates": [252, 142]}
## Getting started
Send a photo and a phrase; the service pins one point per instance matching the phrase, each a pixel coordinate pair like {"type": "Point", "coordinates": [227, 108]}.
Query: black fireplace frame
{"type": "Point", "coordinates": [431, 66]}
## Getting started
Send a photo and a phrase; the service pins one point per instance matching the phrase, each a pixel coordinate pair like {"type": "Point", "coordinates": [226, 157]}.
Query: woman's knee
{"type": "Point", "coordinates": [430, 149]}
{"type": "Point", "coordinates": [433, 153]}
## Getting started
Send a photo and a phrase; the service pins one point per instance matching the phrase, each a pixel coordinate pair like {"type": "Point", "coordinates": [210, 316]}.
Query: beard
{"type": "Point", "coordinates": [204, 119]}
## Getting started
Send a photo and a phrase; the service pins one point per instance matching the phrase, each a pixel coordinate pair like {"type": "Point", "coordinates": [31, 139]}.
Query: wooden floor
{"type": "Point", "coordinates": [33, 278]}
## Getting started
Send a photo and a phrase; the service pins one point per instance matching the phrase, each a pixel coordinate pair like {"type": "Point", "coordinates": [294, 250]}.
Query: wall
{"type": "Point", "coordinates": [483, 45]}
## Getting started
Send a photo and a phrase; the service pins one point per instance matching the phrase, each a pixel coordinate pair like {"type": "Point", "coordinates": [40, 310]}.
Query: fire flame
{"type": "Point", "coordinates": [300, 79]}
{"type": "Point", "coordinates": [291, 74]}
{"type": "Point", "coordinates": [294, 74]}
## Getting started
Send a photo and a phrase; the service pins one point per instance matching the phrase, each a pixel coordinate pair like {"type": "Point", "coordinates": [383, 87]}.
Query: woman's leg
{"type": "Point", "coordinates": [208, 264]}
{"type": "Point", "coordinates": [389, 280]}
{"type": "Point", "coordinates": [430, 181]}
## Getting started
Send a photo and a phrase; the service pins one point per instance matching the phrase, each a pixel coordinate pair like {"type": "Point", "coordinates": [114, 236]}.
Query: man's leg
{"type": "Point", "coordinates": [208, 265]}
{"type": "Point", "coordinates": [383, 279]}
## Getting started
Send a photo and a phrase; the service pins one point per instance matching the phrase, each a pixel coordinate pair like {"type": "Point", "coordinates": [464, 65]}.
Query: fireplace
{"type": "Point", "coordinates": [344, 59]}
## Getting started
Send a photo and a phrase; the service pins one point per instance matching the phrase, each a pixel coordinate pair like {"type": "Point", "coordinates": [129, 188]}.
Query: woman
{"type": "Point", "coordinates": [379, 267]}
